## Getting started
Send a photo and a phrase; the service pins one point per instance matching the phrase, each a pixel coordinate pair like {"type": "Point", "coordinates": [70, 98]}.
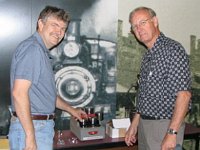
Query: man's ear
{"type": "Point", "coordinates": [155, 21]}
{"type": "Point", "coordinates": [131, 31]}
{"type": "Point", "coordinates": [40, 24]}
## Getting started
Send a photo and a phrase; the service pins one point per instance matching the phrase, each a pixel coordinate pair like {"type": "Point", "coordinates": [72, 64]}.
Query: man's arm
{"type": "Point", "coordinates": [180, 111]}
{"type": "Point", "coordinates": [22, 107]}
{"type": "Point", "coordinates": [131, 133]}
{"type": "Point", "coordinates": [63, 105]}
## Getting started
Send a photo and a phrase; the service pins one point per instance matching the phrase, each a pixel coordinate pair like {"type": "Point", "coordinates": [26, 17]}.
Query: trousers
{"type": "Point", "coordinates": [151, 133]}
{"type": "Point", "coordinates": [44, 133]}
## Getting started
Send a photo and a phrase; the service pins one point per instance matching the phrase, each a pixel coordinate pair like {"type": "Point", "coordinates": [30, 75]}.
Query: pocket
{"type": "Point", "coordinates": [155, 84]}
{"type": "Point", "coordinates": [162, 128]}
{"type": "Point", "coordinates": [44, 131]}
{"type": "Point", "coordinates": [39, 125]}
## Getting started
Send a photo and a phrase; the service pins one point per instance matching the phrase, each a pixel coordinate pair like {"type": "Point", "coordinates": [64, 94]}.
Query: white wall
{"type": "Point", "coordinates": [178, 19]}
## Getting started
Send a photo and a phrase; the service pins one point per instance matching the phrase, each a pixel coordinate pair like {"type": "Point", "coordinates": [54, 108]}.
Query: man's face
{"type": "Point", "coordinates": [145, 27]}
{"type": "Point", "coordinates": [52, 31]}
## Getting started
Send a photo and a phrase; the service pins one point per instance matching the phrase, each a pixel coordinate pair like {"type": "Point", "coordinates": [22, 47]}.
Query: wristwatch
{"type": "Point", "coordinates": [171, 131]}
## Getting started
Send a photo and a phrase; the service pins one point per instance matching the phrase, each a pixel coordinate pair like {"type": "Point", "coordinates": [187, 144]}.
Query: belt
{"type": "Point", "coordinates": [39, 117]}
{"type": "Point", "coordinates": [149, 117]}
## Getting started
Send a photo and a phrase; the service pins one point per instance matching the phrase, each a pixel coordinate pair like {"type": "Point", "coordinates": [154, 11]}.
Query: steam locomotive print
{"type": "Point", "coordinates": [85, 70]}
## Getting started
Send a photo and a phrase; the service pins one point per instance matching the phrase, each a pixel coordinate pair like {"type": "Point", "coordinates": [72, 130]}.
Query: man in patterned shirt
{"type": "Point", "coordinates": [164, 86]}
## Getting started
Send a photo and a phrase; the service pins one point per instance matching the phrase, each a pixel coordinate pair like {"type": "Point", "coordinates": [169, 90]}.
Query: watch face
{"type": "Point", "coordinates": [171, 131]}
{"type": "Point", "coordinates": [71, 49]}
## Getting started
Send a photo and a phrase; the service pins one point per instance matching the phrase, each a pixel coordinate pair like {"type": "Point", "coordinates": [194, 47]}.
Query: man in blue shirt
{"type": "Point", "coordinates": [34, 94]}
{"type": "Point", "coordinates": [164, 87]}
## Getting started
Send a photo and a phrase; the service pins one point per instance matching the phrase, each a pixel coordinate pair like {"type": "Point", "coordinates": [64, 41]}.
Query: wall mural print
{"type": "Point", "coordinates": [84, 62]}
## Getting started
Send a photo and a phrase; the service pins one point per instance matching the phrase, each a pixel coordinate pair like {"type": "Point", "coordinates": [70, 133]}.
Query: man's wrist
{"type": "Point", "coordinates": [172, 131]}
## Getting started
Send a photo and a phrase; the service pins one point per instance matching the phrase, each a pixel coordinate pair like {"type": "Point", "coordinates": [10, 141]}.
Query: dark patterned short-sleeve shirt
{"type": "Point", "coordinates": [164, 72]}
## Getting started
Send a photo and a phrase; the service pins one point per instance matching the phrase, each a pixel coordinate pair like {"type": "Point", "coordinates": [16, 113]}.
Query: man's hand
{"type": "Point", "coordinates": [169, 142]}
{"type": "Point", "coordinates": [130, 137]}
{"type": "Point", "coordinates": [78, 113]}
{"type": "Point", "coordinates": [30, 143]}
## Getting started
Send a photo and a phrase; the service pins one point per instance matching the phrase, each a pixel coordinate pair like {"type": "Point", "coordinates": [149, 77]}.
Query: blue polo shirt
{"type": "Point", "coordinates": [31, 62]}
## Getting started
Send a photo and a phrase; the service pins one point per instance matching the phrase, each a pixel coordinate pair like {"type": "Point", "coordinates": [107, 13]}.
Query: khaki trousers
{"type": "Point", "coordinates": [152, 132]}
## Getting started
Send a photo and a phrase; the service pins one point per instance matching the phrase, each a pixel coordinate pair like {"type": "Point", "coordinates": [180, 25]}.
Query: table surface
{"type": "Point", "coordinates": [71, 141]}
{"type": "Point", "coordinates": [191, 130]}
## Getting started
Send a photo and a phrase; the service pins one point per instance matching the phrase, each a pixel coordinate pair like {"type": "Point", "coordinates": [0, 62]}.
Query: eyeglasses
{"type": "Point", "coordinates": [140, 24]}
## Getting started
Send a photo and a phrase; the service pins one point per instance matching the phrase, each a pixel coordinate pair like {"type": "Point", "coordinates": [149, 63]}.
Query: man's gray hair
{"type": "Point", "coordinates": [150, 11]}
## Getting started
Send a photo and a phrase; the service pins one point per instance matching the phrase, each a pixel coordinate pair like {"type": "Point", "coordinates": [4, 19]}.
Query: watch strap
{"type": "Point", "coordinates": [171, 131]}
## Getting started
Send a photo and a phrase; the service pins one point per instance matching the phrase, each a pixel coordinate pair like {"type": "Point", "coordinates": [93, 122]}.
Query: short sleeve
{"type": "Point", "coordinates": [28, 64]}
{"type": "Point", "coordinates": [179, 71]}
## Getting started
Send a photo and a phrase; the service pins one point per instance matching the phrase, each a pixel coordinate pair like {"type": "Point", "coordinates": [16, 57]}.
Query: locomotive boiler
{"type": "Point", "coordinates": [85, 70]}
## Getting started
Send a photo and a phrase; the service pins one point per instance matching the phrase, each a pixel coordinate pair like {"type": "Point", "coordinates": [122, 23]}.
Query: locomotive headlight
{"type": "Point", "coordinates": [71, 49]}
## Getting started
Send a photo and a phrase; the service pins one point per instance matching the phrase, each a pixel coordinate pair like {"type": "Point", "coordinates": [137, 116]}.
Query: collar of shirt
{"type": "Point", "coordinates": [160, 38]}
{"type": "Point", "coordinates": [39, 38]}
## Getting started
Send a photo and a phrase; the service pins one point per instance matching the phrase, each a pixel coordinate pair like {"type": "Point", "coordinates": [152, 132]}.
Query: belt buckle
{"type": "Point", "coordinates": [48, 116]}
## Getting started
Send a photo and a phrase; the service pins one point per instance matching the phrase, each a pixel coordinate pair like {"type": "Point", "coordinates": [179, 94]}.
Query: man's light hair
{"type": "Point", "coordinates": [150, 11]}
